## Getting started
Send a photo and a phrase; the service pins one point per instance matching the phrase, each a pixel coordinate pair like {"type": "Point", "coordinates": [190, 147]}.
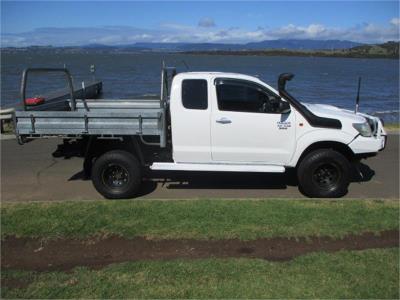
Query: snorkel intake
{"type": "Point", "coordinates": [312, 119]}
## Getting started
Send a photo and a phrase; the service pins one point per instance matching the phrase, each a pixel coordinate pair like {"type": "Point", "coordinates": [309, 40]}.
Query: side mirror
{"type": "Point", "coordinates": [284, 107]}
{"type": "Point", "coordinates": [279, 106]}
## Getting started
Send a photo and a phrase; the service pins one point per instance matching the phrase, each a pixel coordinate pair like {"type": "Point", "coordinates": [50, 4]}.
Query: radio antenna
{"type": "Point", "coordinates": [358, 95]}
{"type": "Point", "coordinates": [186, 65]}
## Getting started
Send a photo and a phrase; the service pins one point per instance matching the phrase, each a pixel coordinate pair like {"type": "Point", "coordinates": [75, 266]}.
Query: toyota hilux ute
{"type": "Point", "coordinates": [207, 121]}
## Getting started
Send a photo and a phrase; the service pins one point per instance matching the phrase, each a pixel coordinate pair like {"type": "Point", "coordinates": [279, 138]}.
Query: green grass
{"type": "Point", "coordinates": [199, 219]}
{"type": "Point", "coordinates": [356, 274]}
{"type": "Point", "coordinates": [345, 274]}
{"type": "Point", "coordinates": [392, 126]}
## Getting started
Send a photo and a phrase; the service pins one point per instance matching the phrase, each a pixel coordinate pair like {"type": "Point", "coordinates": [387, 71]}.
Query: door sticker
{"type": "Point", "coordinates": [283, 125]}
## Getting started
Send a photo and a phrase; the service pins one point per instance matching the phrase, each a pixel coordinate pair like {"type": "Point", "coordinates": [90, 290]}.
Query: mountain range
{"type": "Point", "coordinates": [287, 47]}
{"type": "Point", "coordinates": [289, 44]}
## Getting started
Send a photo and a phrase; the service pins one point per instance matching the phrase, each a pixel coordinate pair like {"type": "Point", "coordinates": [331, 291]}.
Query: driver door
{"type": "Point", "coordinates": [246, 127]}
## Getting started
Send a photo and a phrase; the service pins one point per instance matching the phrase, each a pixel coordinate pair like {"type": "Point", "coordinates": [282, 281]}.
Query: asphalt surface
{"type": "Point", "coordinates": [30, 173]}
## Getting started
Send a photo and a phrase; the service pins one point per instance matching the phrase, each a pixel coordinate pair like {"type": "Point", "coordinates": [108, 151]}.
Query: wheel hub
{"type": "Point", "coordinates": [326, 175]}
{"type": "Point", "coordinates": [115, 176]}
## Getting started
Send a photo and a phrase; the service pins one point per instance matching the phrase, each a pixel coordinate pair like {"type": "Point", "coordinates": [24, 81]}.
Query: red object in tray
{"type": "Point", "coordinates": [34, 101]}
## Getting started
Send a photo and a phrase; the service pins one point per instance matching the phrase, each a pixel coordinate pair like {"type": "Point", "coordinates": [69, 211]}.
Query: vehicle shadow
{"type": "Point", "coordinates": [220, 180]}
{"type": "Point", "coordinates": [233, 180]}
{"type": "Point", "coordinates": [226, 180]}
{"type": "Point", "coordinates": [361, 173]}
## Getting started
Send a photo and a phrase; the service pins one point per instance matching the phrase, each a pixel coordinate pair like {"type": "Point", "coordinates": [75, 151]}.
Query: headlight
{"type": "Point", "coordinates": [363, 128]}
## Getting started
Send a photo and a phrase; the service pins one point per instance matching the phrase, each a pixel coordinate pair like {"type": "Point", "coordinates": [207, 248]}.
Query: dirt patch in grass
{"type": "Point", "coordinates": [65, 254]}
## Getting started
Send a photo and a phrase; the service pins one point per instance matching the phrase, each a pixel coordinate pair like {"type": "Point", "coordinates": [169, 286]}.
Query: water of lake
{"type": "Point", "coordinates": [318, 80]}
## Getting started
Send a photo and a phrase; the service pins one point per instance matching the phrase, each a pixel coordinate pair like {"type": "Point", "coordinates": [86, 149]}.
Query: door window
{"type": "Point", "coordinates": [194, 94]}
{"type": "Point", "coordinates": [244, 96]}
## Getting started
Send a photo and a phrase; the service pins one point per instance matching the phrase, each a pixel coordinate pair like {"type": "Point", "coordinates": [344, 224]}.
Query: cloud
{"type": "Point", "coordinates": [175, 26]}
{"type": "Point", "coordinates": [108, 35]}
{"type": "Point", "coordinates": [121, 39]}
{"type": "Point", "coordinates": [11, 40]}
{"type": "Point", "coordinates": [173, 32]}
{"type": "Point", "coordinates": [395, 21]}
{"type": "Point", "coordinates": [206, 22]}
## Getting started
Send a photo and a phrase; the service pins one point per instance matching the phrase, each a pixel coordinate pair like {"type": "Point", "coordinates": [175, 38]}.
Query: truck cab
{"type": "Point", "coordinates": [219, 118]}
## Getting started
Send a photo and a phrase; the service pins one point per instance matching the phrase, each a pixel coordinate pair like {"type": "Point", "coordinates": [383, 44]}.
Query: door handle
{"type": "Point", "coordinates": [223, 121]}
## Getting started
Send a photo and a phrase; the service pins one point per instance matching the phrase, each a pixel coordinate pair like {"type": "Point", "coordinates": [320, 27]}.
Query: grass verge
{"type": "Point", "coordinates": [345, 274]}
{"type": "Point", "coordinates": [392, 127]}
{"type": "Point", "coordinates": [362, 275]}
{"type": "Point", "coordinates": [199, 219]}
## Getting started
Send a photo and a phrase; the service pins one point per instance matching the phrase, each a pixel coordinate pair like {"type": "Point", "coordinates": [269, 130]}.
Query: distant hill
{"type": "Point", "coordinates": [96, 46]}
{"type": "Point", "coordinates": [295, 44]}
{"type": "Point", "coordinates": [158, 46]}
{"type": "Point", "coordinates": [212, 47]}
{"type": "Point", "coordinates": [386, 50]}
{"type": "Point", "coordinates": [288, 47]}
{"type": "Point", "coordinates": [291, 44]}
{"type": "Point", "coordinates": [390, 48]}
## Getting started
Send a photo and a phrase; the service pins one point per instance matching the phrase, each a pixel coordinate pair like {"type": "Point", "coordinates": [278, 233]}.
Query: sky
{"type": "Point", "coordinates": [59, 23]}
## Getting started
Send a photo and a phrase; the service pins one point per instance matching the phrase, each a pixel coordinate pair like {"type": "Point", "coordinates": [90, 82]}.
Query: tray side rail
{"type": "Point", "coordinates": [36, 124]}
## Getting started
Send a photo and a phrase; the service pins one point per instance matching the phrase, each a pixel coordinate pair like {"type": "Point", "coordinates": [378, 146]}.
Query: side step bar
{"type": "Point", "coordinates": [217, 167]}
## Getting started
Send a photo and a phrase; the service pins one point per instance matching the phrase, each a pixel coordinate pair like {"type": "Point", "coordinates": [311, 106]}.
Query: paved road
{"type": "Point", "coordinates": [30, 173]}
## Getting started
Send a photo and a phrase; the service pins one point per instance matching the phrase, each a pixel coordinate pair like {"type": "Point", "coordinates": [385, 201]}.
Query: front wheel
{"type": "Point", "coordinates": [116, 175]}
{"type": "Point", "coordinates": [324, 173]}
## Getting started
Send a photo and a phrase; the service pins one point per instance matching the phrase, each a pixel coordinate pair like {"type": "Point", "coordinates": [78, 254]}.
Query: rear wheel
{"type": "Point", "coordinates": [324, 173]}
{"type": "Point", "coordinates": [116, 174]}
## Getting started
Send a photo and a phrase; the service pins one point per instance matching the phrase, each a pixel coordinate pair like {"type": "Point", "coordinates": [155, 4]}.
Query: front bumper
{"type": "Point", "coordinates": [373, 144]}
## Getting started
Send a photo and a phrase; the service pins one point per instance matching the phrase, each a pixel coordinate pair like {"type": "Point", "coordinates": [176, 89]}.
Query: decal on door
{"type": "Point", "coordinates": [283, 125]}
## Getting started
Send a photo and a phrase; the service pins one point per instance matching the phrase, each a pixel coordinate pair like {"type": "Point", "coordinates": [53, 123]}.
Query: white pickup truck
{"type": "Point", "coordinates": [208, 121]}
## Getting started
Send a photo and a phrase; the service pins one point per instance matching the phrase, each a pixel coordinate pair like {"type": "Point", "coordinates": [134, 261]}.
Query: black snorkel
{"type": "Point", "coordinates": [312, 119]}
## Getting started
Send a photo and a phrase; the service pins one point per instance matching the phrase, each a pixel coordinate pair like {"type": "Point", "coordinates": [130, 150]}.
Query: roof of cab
{"type": "Point", "coordinates": [222, 74]}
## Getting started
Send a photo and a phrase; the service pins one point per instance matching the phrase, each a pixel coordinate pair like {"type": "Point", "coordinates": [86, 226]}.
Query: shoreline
{"type": "Point", "coordinates": [283, 53]}
{"type": "Point", "coordinates": [260, 53]}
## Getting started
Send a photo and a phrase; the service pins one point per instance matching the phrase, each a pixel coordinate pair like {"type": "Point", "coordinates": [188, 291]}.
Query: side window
{"type": "Point", "coordinates": [194, 94]}
{"type": "Point", "coordinates": [243, 96]}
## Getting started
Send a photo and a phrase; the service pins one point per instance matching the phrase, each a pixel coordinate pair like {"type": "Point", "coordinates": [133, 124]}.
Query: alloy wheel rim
{"type": "Point", "coordinates": [115, 176]}
{"type": "Point", "coordinates": [326, 176]}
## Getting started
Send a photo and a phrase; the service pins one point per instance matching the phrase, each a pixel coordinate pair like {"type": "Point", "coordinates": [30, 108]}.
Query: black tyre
{"type": "Point", "coordinates": [117, 174]}
{"type": "Point", "coordinates": [324, 173]}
